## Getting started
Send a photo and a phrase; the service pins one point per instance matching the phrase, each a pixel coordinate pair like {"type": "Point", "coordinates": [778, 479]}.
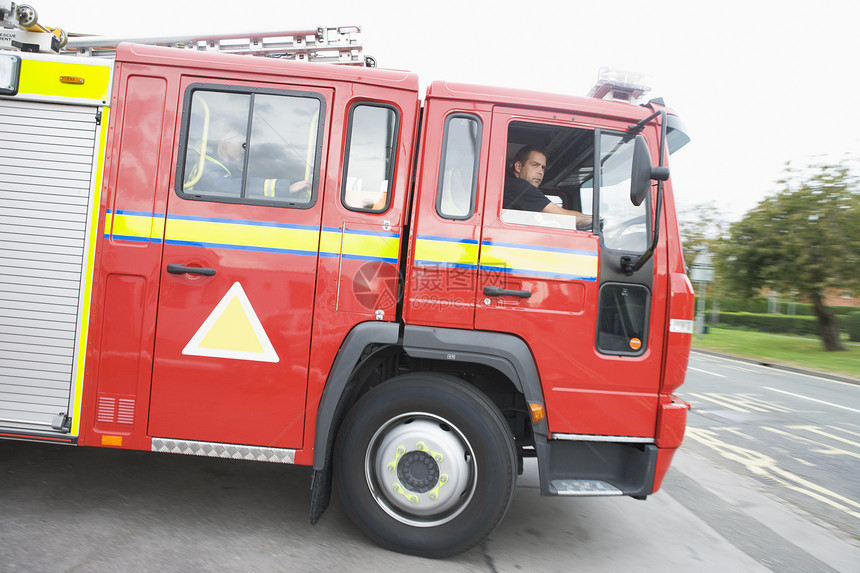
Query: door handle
{"type": "Point", "coordinates": [498, 291]}
{"type": "Point", "coordinates": [181, 270]}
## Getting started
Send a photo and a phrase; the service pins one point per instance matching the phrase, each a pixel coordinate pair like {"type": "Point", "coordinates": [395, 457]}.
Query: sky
{"type": "Point", "coordinates": [758, 83]}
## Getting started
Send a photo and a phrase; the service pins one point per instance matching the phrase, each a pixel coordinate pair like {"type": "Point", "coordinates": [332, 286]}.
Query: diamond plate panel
{"type": "Point", "coordinates": [584, 487]}
{"type": "Point", "coordinates": [229, 451]}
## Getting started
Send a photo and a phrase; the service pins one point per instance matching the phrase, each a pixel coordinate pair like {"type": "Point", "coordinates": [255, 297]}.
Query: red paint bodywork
{"type": "Point", "coordinates": [142, 317]}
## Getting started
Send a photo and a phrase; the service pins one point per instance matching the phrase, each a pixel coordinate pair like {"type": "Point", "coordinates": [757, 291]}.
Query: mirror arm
{"type": "Point", "coordinates": [660, 173]}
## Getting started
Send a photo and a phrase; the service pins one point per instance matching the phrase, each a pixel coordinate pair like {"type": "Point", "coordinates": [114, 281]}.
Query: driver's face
{"type": "Point", "coordinates": [532, 169]}
{"type": "Point", "coordinates": [230, 147]}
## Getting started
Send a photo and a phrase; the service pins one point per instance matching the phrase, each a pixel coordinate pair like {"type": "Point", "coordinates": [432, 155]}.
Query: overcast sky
{"type": "Point", "coordinates": [758, 83]}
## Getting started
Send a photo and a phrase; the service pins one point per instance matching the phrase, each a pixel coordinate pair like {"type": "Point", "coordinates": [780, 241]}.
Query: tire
{"type": "Point", "coordinates": [425, 465]}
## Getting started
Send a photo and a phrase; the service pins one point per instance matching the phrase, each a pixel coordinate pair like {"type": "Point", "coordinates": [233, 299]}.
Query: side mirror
{"type": "Point", "coordinates": [642, 173]}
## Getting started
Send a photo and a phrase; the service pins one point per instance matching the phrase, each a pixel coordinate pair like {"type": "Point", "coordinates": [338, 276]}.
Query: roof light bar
{"type": "Point", "coordinates": [619, 85]}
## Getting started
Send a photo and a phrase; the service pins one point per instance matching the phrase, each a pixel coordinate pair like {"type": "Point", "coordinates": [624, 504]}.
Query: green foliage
{"type": "Point", "coordinates": [781, 349]}
{"type": "Point", "coordinates": [701, 226]}
{"type": "Point", "coordinates": [758, 305]}
{"type": "Point", "coordinates": [852, 325]}
{"type": "Point", "coordinates": [761, 306]}
{"type": "Point", "coordinates": [776, 323]}
{"type": "Point", "coordinates": [806, 238]}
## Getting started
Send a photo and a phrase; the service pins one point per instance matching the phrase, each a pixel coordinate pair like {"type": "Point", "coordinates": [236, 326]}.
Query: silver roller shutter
{"type": "Point", "coordinates": [46, 169]}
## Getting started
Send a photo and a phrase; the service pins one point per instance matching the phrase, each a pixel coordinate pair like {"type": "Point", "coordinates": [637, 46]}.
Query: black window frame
{"type": "Point", "coordinates": [475, 168]}
{"type": "Point", "coordinates": [249, 90]}
{"type": "Point", "coordinates": [602, 304]}
{"type": "Point", "coordinates": [346, 156]}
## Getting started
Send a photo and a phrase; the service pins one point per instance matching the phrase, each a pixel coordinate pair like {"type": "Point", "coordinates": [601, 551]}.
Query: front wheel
{"type": "Point", "coordinates": [425, 464]}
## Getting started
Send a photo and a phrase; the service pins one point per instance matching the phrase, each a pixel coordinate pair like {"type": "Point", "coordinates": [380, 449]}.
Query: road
{"type": "Point", "coordinates": [799, 434]}
{"type": "Point", "coordinates": [766, 480]}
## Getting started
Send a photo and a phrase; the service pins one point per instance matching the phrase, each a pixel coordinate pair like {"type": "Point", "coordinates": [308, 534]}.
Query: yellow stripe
{"type": "Point", "coordinates": [249, 235]}
{"type": "Point", "coordinates": [242, 235]}
{"type": "Point", "coordinates": [88, 277]}
{"type": "Point", "coordinates": [526, 259]}
{"type": "Point", "coordinates": [371, 246]}
{"type": "Point", "coordinates": [330, 242]}
{"type": "Point", "coordinates": [446, 252]}
{"type": "Point", "coordinates": [42, 77]}
{"type": "Point", "coordinates": [127, 225]}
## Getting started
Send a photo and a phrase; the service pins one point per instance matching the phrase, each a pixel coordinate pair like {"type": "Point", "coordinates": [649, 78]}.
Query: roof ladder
{"type": "Point", "coordinates": [339, 45]}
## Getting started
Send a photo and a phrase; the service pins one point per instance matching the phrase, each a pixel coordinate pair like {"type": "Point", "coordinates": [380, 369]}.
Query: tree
{"type": "Point", "coordinates": [701, 226]}
{"type": "Point", "coordinates": [804, 239]}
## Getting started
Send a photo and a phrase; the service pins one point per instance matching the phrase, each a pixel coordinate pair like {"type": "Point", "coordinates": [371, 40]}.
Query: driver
{"type": "Point", "coordinates": [521, 188]}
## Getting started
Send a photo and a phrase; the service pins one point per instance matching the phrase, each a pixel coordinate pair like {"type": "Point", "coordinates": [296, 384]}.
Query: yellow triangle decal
{"type": "Point", "coordinates": [233, 331]}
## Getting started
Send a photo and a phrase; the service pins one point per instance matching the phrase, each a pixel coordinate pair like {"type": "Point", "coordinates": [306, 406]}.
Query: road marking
{"type": "Point", "coordinates": [817, 430]}
{"type": "Point", "coordinates": [764, 466]}
{"type": "Point", "coordinates": [813, 399]}
{"type": "Point", "coordinates": [741, 403]}
{"type": "Point", "coordinates": [705, 372]}
{"type": "Point", "coordinates": [838, 429]}
{"type": "Point", "coordinates": [825, 449]}
{"type": "Point", "coordinates": [765, 366]}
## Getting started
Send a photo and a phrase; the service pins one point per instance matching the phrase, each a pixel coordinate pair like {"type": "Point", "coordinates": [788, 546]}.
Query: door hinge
{"type": "Point", "coordinates": [62, 423]}
{"type": "Point", "coordinates": [628, 264]}
{"type": "Point", "coordinates": [98, 118]}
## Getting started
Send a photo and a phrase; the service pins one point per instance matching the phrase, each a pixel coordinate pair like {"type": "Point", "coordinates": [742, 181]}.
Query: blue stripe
{"type": "Point", "coordinates": [243, 222]}
{"type": "Point", "coordinates": [240, 247]}
{"type": "Point", "coordinates": [133, 239]}
{"type": "Point", "coordinates": [372, 233]}
{"type": "Point", "coordinates": [448, 239]}
{"type": "Point", "coordinates": [545, 274]}
{"type": "Point", "coordinates": [447, 265]}
{"type": "Point", "coordinates": [135, 213]}
{"type": "Point", "coordinates": [369, 258]}
{"type": "Point", "coordinates": [541, 248]}
{"type": "Point", "coordinates": [338, 230]}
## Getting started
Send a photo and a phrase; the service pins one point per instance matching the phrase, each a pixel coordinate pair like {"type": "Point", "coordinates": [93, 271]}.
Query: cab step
{"type": "Point", "coordinates": [584, 487]}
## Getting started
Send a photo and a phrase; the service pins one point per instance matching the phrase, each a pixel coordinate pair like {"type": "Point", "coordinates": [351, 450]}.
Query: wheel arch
{"type": "Point", "coordinates": [505, 353]}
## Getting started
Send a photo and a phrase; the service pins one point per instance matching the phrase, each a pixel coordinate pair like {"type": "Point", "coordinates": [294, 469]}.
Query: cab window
{"type": "Point", "coordinates": [458, 171]}
{"type": "Point", "coordinates": [369, 159]}
{"type": "Point", "coordinates": [250, 146]}
{"type": "Point", "coordinates": [547, 164]}
{"type": "Point", "coordinates": [624, 225]}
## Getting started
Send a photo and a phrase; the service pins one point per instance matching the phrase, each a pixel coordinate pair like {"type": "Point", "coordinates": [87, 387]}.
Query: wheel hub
{"type": "Point", "coordinates": [418, 472]}
{"type": "Point", "coordinates": [420, 469]}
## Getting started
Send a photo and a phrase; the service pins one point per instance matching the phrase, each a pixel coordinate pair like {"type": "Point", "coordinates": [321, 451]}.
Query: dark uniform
{"type": "Point", "coordinates": [522, 195]}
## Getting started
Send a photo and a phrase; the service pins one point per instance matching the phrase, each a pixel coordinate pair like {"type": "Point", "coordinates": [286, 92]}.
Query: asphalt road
{"type": "Point", "coordinates": [766, 480]}
{"type": "Point", "coordinates": [797, 434]}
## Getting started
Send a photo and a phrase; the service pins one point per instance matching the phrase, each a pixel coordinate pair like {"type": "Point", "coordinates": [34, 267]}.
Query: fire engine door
{"type": "Point", "coordinates": [541, 278]}
{"type": "Point", "coordinates": [240, 251]}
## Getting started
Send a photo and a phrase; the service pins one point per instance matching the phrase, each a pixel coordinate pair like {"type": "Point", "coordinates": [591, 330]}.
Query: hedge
{"type": "Point", "coordinates": [851, 323]}
{"type": "Point", "coordinates": [777, 323]}
{"type": "Point", "coordinates": [760, 306]}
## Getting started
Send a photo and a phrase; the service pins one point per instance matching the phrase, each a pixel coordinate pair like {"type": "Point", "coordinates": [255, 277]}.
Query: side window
{"type": "Point", "coordinates": [458, 170]}
{"type": "Point", "coordinates": [625, 226]}
{"type": "Point", "coordinates": [369, 158]}
{"type": "Point", "coordinates": [250, 146]}
{"type": "Point", "coordinates": [548, 164]}
{"type": "Point", "coordinates": [622, 320]}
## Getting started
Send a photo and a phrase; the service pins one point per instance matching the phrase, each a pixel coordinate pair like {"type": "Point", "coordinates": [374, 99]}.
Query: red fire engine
{"type": "Point", "coordinates": [270, 259]}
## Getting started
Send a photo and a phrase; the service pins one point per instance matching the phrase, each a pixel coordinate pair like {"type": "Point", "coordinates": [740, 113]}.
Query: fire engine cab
{"type": "Point", "coordinates": [275, 259]}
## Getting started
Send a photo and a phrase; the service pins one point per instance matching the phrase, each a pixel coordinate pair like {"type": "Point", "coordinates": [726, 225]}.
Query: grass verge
{"type": "Point", "coordinates": [781, 349]}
